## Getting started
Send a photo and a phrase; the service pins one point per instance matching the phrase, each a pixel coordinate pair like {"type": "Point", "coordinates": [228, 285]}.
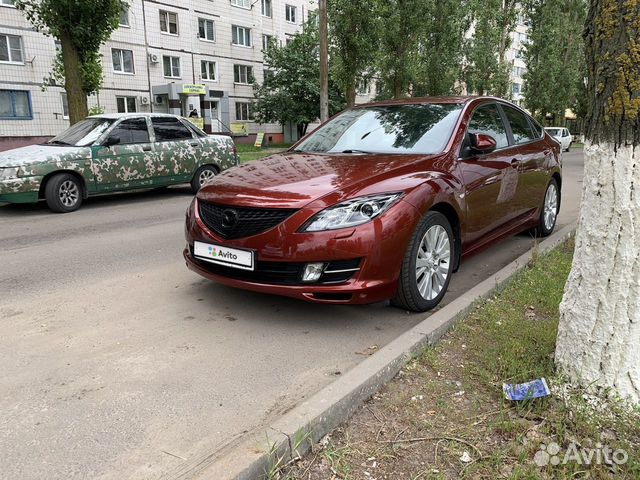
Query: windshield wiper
{"type": "Point", "coordinates": [58, 142]}
{"type": "Point", "coordinates": [354, 150]}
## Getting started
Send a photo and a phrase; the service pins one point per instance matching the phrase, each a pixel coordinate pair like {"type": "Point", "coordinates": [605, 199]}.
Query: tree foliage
{"type": "Point", "coordinates": [353, 33]}
{"type": "Point", "coordinates": [81, 26]}
{"type": "Point", "coordinates": [487, 71]}
{"type": "Point", "coordinates": [290, 92]}
{"type": "Point", "coordinates": [554, 55]}
{"type": "Point", "coordinates": [420, 46]}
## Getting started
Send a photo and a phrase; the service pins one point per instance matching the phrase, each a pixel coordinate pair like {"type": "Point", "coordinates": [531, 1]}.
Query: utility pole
{"type": "Point", "coordinates": [324, 61]}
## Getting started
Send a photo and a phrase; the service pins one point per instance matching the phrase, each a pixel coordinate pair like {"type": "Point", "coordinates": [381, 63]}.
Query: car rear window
{"type": "Point", "coordinates": [414, 128]}
{"type": "Point", "coordinates": [169, 129]}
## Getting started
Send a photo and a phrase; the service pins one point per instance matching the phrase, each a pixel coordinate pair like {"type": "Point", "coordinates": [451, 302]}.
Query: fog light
{"type": "Point", "coordinates": [312, 272]}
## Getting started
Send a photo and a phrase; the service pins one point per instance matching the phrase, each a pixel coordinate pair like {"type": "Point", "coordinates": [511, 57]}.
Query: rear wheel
{"type": "Point", "coordinates": [63, 193]}
{"type": "Point", "coordinates": [549, 210]}
{"type": "Point", "coordinates": [202, 176]}
{"type": "Point", "coordinates": [427, 266]}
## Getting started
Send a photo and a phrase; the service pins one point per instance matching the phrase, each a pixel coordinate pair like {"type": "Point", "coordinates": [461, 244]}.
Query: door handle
{"type": "Point", "coordinates": [515, 163]}
{"type": "Point", "coordinates": [146, 148]}
{"type": "Point", "coordinates": [194, 144]}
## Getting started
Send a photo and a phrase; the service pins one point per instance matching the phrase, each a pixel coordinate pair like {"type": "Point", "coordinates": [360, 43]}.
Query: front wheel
{"type": "Point", "coordinates": [202, 176]}
{"type": "Point", "coordinates": [427, 266]}
{"type": "Point", "coordinates": [63, 193]}
{"type": "Point", "coordinates": [549, 210]}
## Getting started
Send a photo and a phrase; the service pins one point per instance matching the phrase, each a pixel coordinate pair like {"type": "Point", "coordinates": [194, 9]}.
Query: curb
{"type": "Point", "coordinates": [314, 418]}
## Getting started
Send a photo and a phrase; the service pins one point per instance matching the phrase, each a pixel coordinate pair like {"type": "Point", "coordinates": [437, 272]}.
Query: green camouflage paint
{"type": "Point", "coordinates": [119, 167]}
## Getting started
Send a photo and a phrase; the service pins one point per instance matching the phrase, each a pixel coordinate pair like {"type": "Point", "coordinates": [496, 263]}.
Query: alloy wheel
{"type": "Point", "coordinates": [69, 193]}
{"type": "Point", "coordinates": [432, 262]}
{"type": "Point", "coordinates": [550, 207]}
{"type": "Point", "coordinates": [206, 176]}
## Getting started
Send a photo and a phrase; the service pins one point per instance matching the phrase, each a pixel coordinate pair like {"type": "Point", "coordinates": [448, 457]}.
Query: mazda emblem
{"type": "Point", "coordinates": [229, 218]}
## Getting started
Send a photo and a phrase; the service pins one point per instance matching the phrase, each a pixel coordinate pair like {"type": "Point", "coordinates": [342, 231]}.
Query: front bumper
{"type": "Point", "coordinates": [380, 245]}
{"type": "Point", "coordinates": [20, 190]}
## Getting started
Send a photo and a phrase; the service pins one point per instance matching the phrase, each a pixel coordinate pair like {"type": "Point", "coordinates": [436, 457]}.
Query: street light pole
{"type": "Point", "coordinates": [324, 61]}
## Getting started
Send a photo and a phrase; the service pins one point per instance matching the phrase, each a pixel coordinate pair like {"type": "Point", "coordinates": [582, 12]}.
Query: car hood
{"type": "Point", "coordinates": [33, 154]}
{"type": "Point", "coordinates": [292, 180]}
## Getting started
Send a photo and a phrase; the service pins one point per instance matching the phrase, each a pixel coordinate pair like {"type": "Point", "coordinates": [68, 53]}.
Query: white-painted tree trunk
{"type": "Point", "coordinates": [599, 333]}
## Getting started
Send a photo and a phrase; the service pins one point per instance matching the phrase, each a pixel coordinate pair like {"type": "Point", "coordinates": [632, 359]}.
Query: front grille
{"type": "Point", "coordinates": [284, 273]}
{"type": "Point", "coordinates": [238, 222]}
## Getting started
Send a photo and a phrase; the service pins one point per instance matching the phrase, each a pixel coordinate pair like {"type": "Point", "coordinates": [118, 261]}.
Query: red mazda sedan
{"type": "Point", "coordinates": [380, 202]}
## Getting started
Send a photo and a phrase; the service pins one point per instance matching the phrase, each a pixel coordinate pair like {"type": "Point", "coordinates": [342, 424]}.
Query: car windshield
{"type": "Point", "coordinates": [82, 133]}
{"type": "Point", "coordinates": [554, 132]}
{"type": "Point", "coordinates": [418, 128]}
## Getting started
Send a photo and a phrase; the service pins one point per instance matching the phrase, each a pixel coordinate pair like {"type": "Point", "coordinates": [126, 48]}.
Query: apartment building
{"type": "Point", "coordinates": [515, 56]}
{"type": "Point", "coordinates": [166, 56]}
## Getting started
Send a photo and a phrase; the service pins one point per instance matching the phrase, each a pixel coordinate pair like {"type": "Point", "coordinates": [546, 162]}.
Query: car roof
{"type": "Point", "coordinates": [117, 116]}
{"type": "Point", "coordinates": [447, 99]}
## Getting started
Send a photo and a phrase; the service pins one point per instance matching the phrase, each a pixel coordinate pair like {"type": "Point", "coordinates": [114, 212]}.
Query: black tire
{"type": "Point", "coordinates": [63, 193]}
{"type": "Point", "coordinates": [408, 296]}
{"type": "Point", "coordinates": [204, 170]}
{"type": "Point", "coordinates": [544, 228]}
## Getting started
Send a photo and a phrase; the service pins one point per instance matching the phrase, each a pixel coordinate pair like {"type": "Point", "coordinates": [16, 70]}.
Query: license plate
{"type": "Point", "coordinates": [229, 257]}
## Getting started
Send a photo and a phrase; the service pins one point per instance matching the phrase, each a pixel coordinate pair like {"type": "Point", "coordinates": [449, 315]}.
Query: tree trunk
{"type": "Point", "coordinates": [599, 332]}
{"type": "Point", "coordinates": [76, 97]}
{"type": "Point", "coordinates": [351, 95]}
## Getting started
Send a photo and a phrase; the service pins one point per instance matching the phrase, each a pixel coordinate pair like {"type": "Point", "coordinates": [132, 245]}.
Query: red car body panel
{"type": "Point", "coordinates": [487, 198]}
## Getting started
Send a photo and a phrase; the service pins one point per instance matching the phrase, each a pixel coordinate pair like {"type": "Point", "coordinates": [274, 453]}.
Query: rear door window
{"type": "Point", "coordinates": [168, 129]}
{"type": "Point", "coordinates": [486, 120]}
{"type": "Point", "coordinates": [133, 130]}
{"type": "Point", "coordinates": [520, 126]}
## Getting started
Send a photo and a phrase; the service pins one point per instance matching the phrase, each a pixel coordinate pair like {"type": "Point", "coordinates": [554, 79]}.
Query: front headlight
{"type": "Point", "coordinates": [351, 213]}
{"type": "Point", "coordinates": [7, 173]}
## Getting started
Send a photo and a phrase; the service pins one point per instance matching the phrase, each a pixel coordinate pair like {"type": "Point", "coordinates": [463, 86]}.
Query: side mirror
{"type": "Point", "coordinates": [481, 143]}
{"type": "Point", "coordinates": [110, 141]}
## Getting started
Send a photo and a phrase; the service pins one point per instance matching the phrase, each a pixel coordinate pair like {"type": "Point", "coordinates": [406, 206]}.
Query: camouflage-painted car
{"type": "Point", "coordinates": [109, 153]}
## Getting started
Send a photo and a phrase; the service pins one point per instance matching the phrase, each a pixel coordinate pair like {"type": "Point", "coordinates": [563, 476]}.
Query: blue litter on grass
{"type": "Point", "coordinates": [525, 391]}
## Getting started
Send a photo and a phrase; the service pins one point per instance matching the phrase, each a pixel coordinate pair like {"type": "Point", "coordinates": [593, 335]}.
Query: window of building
{"type": "Point", "coordinates": [15, 104]}
{"type": "Point", "coordinates": [169, 129]}
{"type": "Point", "coordinates": [265, 8]}
{"type": "Point", "coordinates": [169, 22]}
{"type": "Point", "coordinates": [520, 126]}
{"type": "Point", "coordinates": [516, 88]}
{"type": "Point", "coordinates": [487, 120]}
{"type": "Point", "coordinates": [363, 87]}
{"type": "Point", "coordinates": [65, 105]}
{"type": "Point", "coordinates": [241, 36]}
{"type": "Point", "coordinates": [206, 30]}
{"type": "Point", "coordinates": [518, 71]}
{"type": "Point", "coordinates": [242, 74]}
{"type": "Point", "coordinates": [122, 60]}
{"type": "Point", "coordinates": [290, 13]}
{"type": "Point", "coordinates": [241, 3]}
{"type": "Point", "coordinates": [124, 16]}
{"type": "Point", "coordinates": [6, 2]}
{"type": "Point", "coordinates": [171, 66]}
{"type": "Point", "coordinates": [11, 49]}
{"type": "Point", "coordinates": [266, 42]}
{"type": "Point", "coordinates": [126, 104]}
{"type": "Point", "coordinates": [287, 41]}
{"type": "Point", "coordinates": [243, 111]}
{"type": "Point", "coordinates": [132, 130]}
{"type": "Point", "coordinates": [209, 70]}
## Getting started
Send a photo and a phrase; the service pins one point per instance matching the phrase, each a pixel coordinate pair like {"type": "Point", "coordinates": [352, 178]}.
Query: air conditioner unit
{"type": "Point", "coordinates": [158, 99]}
{"type": "Point", "coordinates": [154, 58]}
{"type": "Point", "coordinates": [144, 100]}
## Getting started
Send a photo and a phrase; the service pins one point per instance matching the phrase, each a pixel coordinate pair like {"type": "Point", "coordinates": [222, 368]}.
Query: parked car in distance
{"type": "Point", "coordinates": [562, 135]}
{"type": "Point", "coordinates": [381, 202]}
{"type": "Point", "coordinates": [111, 153]}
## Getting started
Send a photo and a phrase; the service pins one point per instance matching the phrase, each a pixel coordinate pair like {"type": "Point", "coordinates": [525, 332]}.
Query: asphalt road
{"type": "Point", "coordinates": [118, 362]}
